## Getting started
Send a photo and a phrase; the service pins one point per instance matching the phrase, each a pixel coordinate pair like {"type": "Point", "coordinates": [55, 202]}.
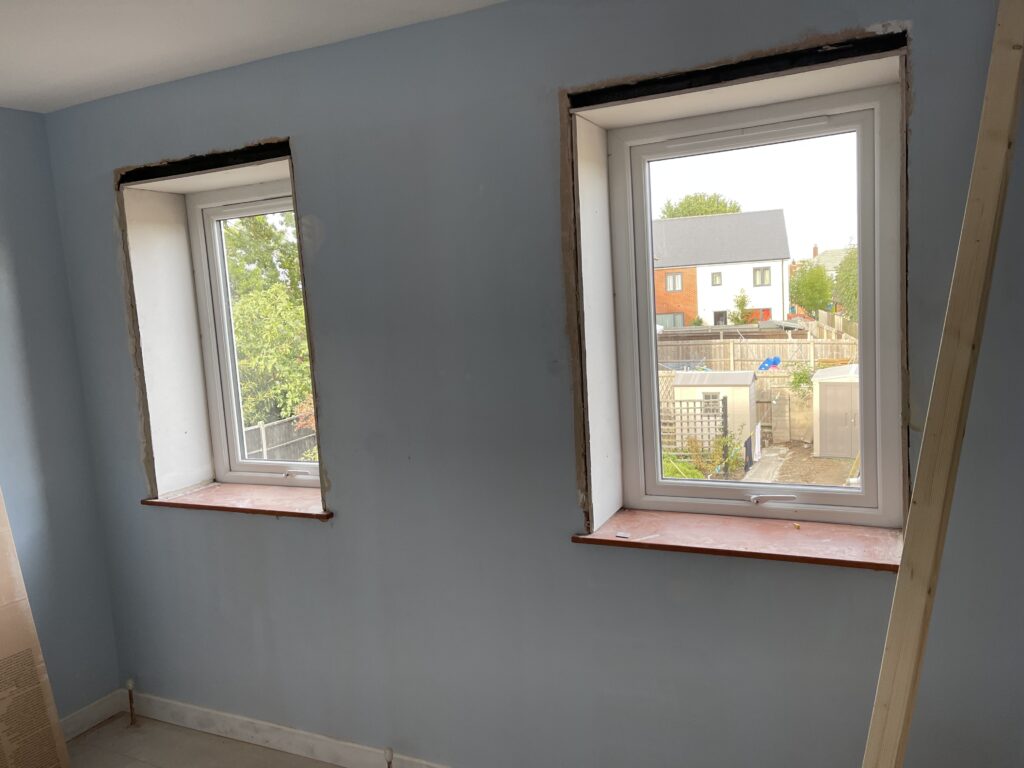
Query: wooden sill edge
{"type": "Point", "coordinates": [850, 546]}
{"type": "Point", "coordinates": [267, 500]}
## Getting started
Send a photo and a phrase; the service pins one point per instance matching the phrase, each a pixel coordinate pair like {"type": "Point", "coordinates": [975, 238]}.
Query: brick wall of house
{"type": "Point", "coordinates": [685, 301]}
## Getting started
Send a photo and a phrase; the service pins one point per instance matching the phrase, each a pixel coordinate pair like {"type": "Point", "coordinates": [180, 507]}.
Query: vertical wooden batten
{"type": "Point", "coordinates": [950, 398]}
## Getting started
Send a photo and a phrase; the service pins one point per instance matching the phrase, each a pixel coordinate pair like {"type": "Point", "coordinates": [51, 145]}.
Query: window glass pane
{"type": "Point", "coordinates": [268, 324]}
{"type": "Point", "coordinates": [762, 384]}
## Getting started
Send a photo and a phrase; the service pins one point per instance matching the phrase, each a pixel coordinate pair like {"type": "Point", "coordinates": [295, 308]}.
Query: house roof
{"type": "Point", "coordinates": [849, 372]}
{"type": "Point", "coordinates": [830, 259]}
{"type": "Point", "coordinates": [724, 238]}
{"type": "Point", "coordinates": [713, 378]}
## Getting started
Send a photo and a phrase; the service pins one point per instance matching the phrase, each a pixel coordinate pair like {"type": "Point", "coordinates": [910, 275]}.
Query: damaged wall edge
{"type": "Point", "coordinates": [835, 49]}
{"type": "Point", "coordinates": [275, 148]}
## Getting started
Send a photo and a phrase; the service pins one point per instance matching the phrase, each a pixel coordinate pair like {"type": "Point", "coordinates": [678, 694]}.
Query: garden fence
{"type": "Point", "coordinates": [282, 440]}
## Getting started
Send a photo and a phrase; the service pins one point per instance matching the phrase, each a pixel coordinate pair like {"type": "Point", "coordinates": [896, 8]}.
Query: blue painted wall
{"type": "Point", "coordinates": [444, 610]}
{"type": "Point", "coordinates": [45, 470]}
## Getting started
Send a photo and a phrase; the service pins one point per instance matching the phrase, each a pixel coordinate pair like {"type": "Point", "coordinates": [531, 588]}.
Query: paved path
{"type": "Point", "coordinates": [767, 469]}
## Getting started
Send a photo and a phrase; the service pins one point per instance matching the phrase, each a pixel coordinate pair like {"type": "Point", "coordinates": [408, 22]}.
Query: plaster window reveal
{"type": "Point", "coordinates": [744, 294]}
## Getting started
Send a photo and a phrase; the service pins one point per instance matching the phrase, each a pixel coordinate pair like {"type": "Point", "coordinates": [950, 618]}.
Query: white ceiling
{"type": "Point", "coordinates": [56, 53]}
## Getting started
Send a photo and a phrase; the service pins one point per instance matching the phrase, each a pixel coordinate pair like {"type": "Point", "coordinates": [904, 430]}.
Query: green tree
{"type": "Point", "coordinates": [811, 287]}
{"type": "Point", "coordinates": [698, 320]}
{"type": "Point", "coordinates": [846, 284]}
{"type": "Point", "coordinates": [262, 251]}
{"type": "Point", "coordinates": [699, 204]}
{"type": "Point", "coordinates": [741, 314]}
{"type": "Point", "coordinates": [268, 316]}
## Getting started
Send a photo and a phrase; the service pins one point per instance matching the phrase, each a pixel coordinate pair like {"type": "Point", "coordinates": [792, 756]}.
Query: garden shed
{"type": "Point", "coordinates": [737, 388]}
{"type": "Point", "coordinates": [836, 408]}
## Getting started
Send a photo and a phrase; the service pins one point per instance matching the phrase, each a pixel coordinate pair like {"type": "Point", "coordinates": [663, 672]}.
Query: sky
{"type": "Point", "coordinates": [814, 181]}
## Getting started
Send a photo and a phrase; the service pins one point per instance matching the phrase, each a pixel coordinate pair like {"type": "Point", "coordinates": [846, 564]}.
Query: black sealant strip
{"type": "Point", "coordinates": [215, 161]}
{"type": "Point", "coordinates": [765, 65]}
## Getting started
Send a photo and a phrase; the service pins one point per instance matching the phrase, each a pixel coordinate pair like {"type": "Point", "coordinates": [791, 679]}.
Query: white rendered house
{"type": "Point", "coordinates": [731, 252]}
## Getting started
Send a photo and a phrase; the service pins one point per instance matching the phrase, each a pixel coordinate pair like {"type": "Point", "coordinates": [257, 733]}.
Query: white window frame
{"type": "Point", "coordinates": [680, 315]}
{"type": "Point", "coordinates": [716, 279]}
{"type": "Point", "coordinates": [876, 115]}
{"type": "Point", "coordinates": [765, 275]}
{"type": "Point", "coordinates": [205, 211]}
{"type": "Point", "coordinates": [673, 282]}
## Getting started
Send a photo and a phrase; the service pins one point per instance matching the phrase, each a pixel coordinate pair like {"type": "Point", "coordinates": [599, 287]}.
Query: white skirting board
{"type": "Point", "coordinates": [93, 714]}
{"type": "Point", "coordinates": [311, 745]}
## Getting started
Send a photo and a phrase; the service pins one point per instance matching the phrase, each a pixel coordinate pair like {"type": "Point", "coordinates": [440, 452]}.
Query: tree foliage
{"type": "Point", "coordinates": [846, 284]}
{"type": "Point", "coordinates": [741, 315]}
{"type": "Point", "coordinates": [699, 204]}
{"type": "Point", "coordinates": [811, 287]}
{"type": "Point", "coordinates": [801, 378]}
{"type": "Point", "coordinates": [262, 252]}
{"type": "Point", "coordinates": [267, 315]}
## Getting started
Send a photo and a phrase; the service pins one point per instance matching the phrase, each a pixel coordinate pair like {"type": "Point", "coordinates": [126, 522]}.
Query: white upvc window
{"type": "Point", "coordinates": [256, 427]}
{"type": "Point", "coordinates": [802, 422]}
{"type": "Point", "coordinates": [674, 281]}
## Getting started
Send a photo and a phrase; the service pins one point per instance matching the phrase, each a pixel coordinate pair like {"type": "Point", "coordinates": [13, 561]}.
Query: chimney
{"type": "Point", "coordinates": [815, 250]}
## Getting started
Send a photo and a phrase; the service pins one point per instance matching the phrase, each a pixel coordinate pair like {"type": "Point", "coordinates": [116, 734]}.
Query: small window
{"type": "Point", "coordinates": [219, 302]}
{"type": "Point", "coordinates": [674, 281]}
{"type": "Point", "coordinates": [260, 385]}
{"type": "Point", "coordinates": [789, 419]}
{"type": "Point", "coordinates": [671, 320]}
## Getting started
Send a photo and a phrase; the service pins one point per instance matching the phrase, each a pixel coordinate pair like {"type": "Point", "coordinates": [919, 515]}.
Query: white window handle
{"type": "Point", "coordinates": [760, 498]}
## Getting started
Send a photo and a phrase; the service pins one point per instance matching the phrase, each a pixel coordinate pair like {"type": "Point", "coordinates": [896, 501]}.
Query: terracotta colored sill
{"type": "Point", "coordinates": [852, 546]}
{"type": "Point", "coordinates": [276, 500]}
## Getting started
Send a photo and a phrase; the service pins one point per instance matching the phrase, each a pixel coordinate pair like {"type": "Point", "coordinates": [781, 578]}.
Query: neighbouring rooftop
{"type": "Point", "coordinates": [725, 238]}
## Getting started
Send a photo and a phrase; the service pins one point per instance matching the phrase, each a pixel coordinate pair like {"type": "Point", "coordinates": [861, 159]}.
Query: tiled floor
{"type": "Point", "coordinates": [152, 744]}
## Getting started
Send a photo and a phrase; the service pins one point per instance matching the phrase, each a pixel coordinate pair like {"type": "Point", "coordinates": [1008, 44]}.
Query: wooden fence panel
{"type": "Point", "coordinates": [747, 355]}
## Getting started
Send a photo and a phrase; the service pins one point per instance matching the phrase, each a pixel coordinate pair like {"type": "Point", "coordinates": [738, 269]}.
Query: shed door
{"type": "Point", "coordinates": [840, 420]}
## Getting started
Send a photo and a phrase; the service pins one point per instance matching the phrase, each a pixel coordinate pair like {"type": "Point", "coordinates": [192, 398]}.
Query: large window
{"type": "Point", "coordinates": [249, 290]}
{"type": "Point", "coordinates": [797, 412]}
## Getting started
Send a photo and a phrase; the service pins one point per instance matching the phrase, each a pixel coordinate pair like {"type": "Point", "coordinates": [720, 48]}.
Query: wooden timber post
{"type": "Point", "coordinates": [950, 398]}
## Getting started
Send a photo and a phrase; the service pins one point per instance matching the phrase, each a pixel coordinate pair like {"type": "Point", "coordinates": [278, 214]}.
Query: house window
{"type": "Point", "coordinates": [833, 407]}
{"type": "Point", "coordinates": [671, 320]}
{"type": "Point", "coordinates": [218, 302]}
{"type": "Point", "coordinates": [250, 298]}
{"type": "Point", "coordinates": [674, 281]}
